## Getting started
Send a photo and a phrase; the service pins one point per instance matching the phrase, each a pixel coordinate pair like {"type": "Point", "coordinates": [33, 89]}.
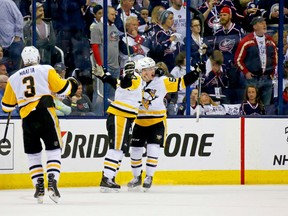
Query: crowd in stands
{"type": "Point", "coordinates": [238, 42]}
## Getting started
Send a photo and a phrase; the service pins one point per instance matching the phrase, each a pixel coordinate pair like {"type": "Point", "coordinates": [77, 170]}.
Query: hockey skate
{"type": "Point", "coordinates": [147, 183]}
{"type": "Point", "coordinates": [134, 184]}
{"type": "Point", "coordinates": [52, 188]}
{"type": "Point", "coordinates": [39, 193]}
{"type": "Point", "coordinates": [108, 185]}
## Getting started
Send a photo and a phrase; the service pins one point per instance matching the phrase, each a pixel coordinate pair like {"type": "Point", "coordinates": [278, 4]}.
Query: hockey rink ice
{"type": "Point", "coordinates": [263, 200]}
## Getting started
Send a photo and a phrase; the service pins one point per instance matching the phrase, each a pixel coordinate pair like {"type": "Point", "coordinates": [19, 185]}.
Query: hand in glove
{"type": "Point", "coordinates": [201, 67]}
{"type": "Point", "coordinates": [129, 68]}
{"type": "Point", "coordinates": [98, 71]}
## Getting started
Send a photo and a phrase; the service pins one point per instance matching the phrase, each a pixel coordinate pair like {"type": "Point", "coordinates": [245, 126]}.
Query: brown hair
{"type": "Point", "coordinates": [258, 100]}
{"type": "Point", "coordinates": [163, 66]}
{"type": "Point", "coordinates": [217, 57]}
{"type": "Point", "coordinates": [179, 60]}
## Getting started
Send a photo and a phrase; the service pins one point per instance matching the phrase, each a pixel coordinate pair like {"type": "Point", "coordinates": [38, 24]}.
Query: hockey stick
{"type": "Point", "coordinates": [125, 33]}
{"type": "Point", "coordinates": [200, 16]}
{"type": "Point", "coordinates": [6, 129]}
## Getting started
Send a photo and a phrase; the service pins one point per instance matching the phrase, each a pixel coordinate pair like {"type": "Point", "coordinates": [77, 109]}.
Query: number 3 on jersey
{"type": "Point", "coordinates": [30, 86]}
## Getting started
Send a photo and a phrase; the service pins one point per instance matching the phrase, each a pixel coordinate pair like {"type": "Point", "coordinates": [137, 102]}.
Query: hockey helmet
{"type": "Point", "coordinates": [30, 55]}
{"type": "Point", "coordinates": [146, 62]}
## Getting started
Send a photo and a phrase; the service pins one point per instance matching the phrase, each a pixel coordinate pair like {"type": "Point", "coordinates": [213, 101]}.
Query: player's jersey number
{"type": "Point", "coordinates": [30, 86]}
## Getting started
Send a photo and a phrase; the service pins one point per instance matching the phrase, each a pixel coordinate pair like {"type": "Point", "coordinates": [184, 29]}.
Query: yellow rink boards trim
{"type": "Point", "coordinates": [84, 179]}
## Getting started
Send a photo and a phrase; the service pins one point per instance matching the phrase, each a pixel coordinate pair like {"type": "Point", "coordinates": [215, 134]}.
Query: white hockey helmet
{"type": "Point", "coordinates": [138, 67]}
{"type": "Point", "coordinates": [30, 55]}
{"type": "Point", "coordinates": [146, 62]}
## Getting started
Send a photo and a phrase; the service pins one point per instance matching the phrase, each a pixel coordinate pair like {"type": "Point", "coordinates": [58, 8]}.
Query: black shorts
{"type": "Point", "coordinates": [155, 134]}
{"type": "Point", "coordinates": [41, 124]}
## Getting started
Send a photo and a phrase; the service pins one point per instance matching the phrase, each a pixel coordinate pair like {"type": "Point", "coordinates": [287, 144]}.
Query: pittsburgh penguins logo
{"type": "Point", "coordinates": [148, 96]}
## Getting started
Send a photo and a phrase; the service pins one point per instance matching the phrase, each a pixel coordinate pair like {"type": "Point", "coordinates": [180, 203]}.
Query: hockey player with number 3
{"type": "Point", "coordinates": [30, 88]}
{"type": "Point", "coordinates": [150, 124]}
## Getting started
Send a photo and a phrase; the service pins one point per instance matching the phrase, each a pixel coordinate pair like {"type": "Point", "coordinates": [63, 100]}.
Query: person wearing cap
{"type": "Point", "coordinates": [226, 40]}
{"type": "Point", "coordinates": [61, 108]}
{"type": "Point", "coordinates": [256, 57]}
{"type": "Point", "coordinates": [45, 35]}
{"type": "Point", "coordinates": [60, 69]}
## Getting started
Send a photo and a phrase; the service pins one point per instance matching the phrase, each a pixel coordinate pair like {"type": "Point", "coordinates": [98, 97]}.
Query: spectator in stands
{"type": "Point", "coordinates": [60, 69]}
{"type": "Point", "coordinates": [167, 44]}
{"type": "Point", "coordinates": [199, 48]}
{"type": "Point", "coordinates": [153, 27]}
{"type": "Point", "coordinates": [98, 13]}
{"type": "Point", "coordinates": [211, 11]}
{"type": "Point", "coordinates": [45, 36]}
{"type": "Point", "coordinates": [3, 70]}
{"type": "Point", "coordinates": [209, 106]}
{"type": "Point", "coordinates": [216, 80]}
{"type": "Point", "coordinates": [124, 10]}
{"type": "Point", "coordinates": [80, 103]}
{"type": "Point", "coordinates": [3, 82]}
{"type": "Point", "coordinates": [144, 13]}
{"type": "Point", "coordinates": [226, 40]}
{"type": "Point", "coordinates": [256, 57]}
{"type": "Point", "coordinates": [194, 104]}
{"type": "Point", "coordinates": [11, 34]}
{"type": "Point", "coordinates": [179, 12]}
{"type": "Point", "coordinates": [112, 57]}
{"type": "Point", "coordinates": [137, 45]}
{"type": "Point", "coordinates": [252, 104]}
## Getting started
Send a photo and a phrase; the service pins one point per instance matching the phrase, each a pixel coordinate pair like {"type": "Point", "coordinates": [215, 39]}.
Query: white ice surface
{"type": "Point", "coordinates": [159, 201]}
